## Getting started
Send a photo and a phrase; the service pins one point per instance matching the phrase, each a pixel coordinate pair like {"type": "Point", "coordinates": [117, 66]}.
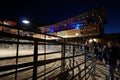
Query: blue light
{"type": "Point", "coordinates": [78, 26]}
{"type": "Point", "coordinates": [51, 30]}
{"type": "Point", "coordinates": [73, 26]}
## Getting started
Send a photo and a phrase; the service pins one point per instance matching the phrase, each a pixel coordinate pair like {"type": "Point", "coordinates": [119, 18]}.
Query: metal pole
{"type": "Point", "coordinates": [44, 57]}
{"type": "Point", "coordinates": [63, 58]}
{"type": "Point", "coordinates": [17, 54]}
{"type": "Point", "coordinates": [85, 63]}
{"type": "Point", "coordinates": [73, 59]}
{"type": "Point", "coordinates": [35, 60]}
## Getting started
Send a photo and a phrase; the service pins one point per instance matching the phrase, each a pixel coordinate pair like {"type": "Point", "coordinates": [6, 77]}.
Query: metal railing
{"type": "Point", "coordinates": [24, 57]}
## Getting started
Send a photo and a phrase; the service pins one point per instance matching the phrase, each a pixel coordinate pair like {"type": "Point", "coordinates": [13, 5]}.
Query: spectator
{"type": "Point", "coordinates": [117, 49]}
{"type": "Point", "coordinates": [95, 46]}
{"type": "Point", "coordinates": [87, 47]}
{"type": "Point", "coordinates": [100, 55]}
{"type": "Point", "coordinates": [109, 57]}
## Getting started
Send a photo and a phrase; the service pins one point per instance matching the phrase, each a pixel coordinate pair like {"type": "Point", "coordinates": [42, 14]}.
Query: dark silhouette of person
{"type": "Point", "coordinates": [109, 57]}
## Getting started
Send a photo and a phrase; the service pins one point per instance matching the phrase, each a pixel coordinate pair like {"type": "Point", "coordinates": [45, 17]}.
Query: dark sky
{"type": "Point", "coordinates": [52, 11]}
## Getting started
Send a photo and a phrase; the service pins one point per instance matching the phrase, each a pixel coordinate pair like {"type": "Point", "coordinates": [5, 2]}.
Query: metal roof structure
{"type": "Point", "coordinates": [96, 16]}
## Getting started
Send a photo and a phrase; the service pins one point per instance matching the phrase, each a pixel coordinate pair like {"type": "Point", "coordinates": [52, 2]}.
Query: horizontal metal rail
{"type": "Point", "coordinates": [39, 63]}
{"type": "Point", "coordinates": [24, 56]}
{"type": "Point", "coordinates": [64, 55]}
{"type": "Point", "coordinates": [13, 72]}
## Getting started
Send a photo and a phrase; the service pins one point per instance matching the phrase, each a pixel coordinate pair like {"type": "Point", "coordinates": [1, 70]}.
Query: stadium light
{"type": "Point", "coordinates": [25, 21]}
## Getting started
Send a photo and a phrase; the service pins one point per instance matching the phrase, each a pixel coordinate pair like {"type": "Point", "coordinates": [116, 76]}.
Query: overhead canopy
{"type": "Point", "coordinates": [96, 16]}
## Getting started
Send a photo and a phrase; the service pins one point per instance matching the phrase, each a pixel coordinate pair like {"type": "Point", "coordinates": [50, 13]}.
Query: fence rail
{"type": "Point", "coordinates": [28, 58]}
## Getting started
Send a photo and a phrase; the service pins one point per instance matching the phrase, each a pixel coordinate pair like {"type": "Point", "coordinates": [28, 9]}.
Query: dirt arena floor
{"type": "Point", "coordinates": [26, 74]}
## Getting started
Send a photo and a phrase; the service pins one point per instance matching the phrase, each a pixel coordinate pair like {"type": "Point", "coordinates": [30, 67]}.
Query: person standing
{"type": "Point", "coordinates": [109, 58]}
{"type": "Point", "coordinates": [117, 49]}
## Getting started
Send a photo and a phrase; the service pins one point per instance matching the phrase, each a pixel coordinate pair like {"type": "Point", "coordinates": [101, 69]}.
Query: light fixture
{"type": "Point", "coordinates": [76, 34]}
{"type": "Point", "coordinates": [26, 21]}
{"type": "Point", "coordinates": [90, 40]}
{"type": "Point", "coordinates": [95, 40]}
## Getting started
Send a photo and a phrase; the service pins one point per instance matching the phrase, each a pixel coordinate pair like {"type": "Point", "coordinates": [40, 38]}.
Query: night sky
{"type": "Point", "coordinates": [53, 11]}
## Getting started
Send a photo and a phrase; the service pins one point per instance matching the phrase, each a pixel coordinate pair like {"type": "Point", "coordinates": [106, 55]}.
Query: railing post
{"type": "Point", "coordinates": [85, 61]}
{"type": "Point", "coordinates": [73, 59]}
{"type": "Point", "coordinates": [93, 67]}
{"type": "Point", "coordinates": [63, 57]}
{"type": "Point", "coordinates": [35, 60]}
{"type": "Point", "coordinates": [44, 57]}
{"type": "Point", "coordinates": [17, 49]}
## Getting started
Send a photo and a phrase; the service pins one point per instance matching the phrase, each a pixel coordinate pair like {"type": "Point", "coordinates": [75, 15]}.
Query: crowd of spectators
{"type": "Point", "coordinates": [109, 55]}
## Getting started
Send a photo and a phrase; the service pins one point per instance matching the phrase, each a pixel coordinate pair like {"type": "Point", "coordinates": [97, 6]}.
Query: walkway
{"type": "Point", "coordinates": [102, 72]}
